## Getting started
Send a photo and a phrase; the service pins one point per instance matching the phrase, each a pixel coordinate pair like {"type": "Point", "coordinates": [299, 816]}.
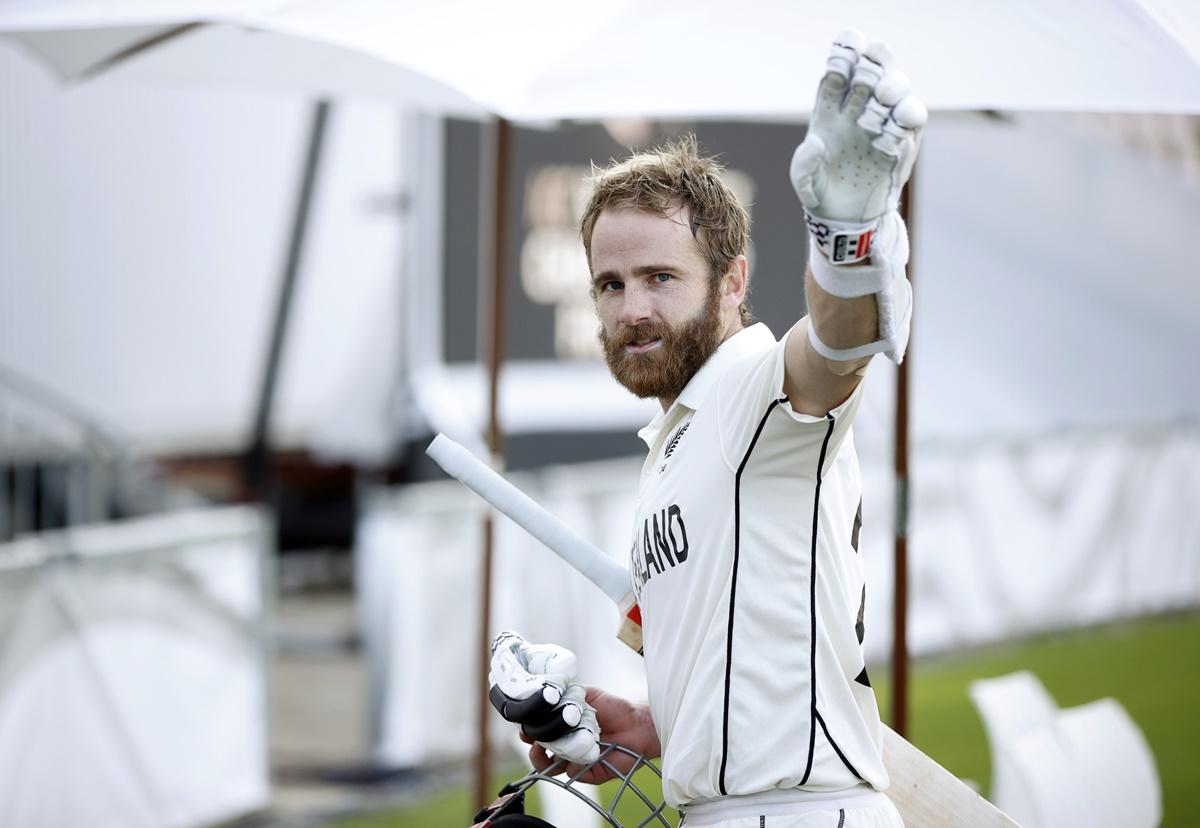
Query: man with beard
{"type": "Point", "coordinates": [744, 551]}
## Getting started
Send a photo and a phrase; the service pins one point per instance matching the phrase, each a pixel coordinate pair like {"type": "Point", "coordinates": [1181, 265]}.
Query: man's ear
{"type": "Point", "coordinates": [735, 282]}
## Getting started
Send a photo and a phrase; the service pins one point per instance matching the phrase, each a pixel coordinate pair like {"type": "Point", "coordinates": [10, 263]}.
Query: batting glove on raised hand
{"type": "Point", "coordinates": [533, 685]}
{"type": "Point", "coordinates": [860, 147]}
{"type": "Point", "coordinates": [848, 172]}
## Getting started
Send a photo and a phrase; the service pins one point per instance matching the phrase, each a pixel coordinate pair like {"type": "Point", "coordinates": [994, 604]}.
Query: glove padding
{"type": "Point", "coordinates": [533, 685]}
{"type": "Point", "coordinates": [860, 147]}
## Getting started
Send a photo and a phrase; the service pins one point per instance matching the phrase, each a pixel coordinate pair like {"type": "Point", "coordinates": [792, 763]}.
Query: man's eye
{"type": "Point", "coordinates": [609, 287]}
{"type": "Point", "coordinates": [662, 277]}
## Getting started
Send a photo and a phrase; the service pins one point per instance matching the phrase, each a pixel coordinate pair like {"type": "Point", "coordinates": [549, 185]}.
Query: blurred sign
{"type": "Point", "coordinates": [550, 314]}
{"type": "Point", "coordinates": [553, 268]}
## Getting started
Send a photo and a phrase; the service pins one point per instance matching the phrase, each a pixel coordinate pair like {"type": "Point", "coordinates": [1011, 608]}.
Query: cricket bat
{"type": "Point", "coordinates": [586, 559]}
{"type": "Point", "coordinates": [926, 794]}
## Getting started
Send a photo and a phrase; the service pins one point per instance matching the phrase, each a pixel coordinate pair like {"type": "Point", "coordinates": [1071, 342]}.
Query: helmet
{"type": "Point", "coordinates": [508, 811]}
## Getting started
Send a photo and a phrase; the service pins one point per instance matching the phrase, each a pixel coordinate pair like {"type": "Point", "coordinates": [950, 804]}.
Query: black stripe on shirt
{"type": "Point", "coordinates": [812, 606]}
{"type": "Point", "coordinates": [838, 750]}
{"type": "Point", "coordinates": [737, 538]}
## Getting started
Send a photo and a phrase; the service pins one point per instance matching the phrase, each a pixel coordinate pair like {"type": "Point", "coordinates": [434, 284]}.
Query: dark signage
{"type": "Point", "coordinates": [549, 312]}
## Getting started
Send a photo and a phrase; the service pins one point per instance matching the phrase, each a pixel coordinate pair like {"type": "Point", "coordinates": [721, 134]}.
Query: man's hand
{"type": "Point", "coordinates": [860, 147]}
{"type": "Point", "coordinates": [533, 685]}
{"type": "Point", "coordinates": [848, 172]}
{"type": "Point", "coordinates": [621, 722]}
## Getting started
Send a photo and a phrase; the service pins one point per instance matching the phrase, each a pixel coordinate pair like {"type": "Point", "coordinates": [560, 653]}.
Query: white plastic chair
{"type": "Point", "coordinates": [1087, 765]}
{"type": "Point", "coordinates": [1011, 706]}
{"type": "Point", "coordinates": [1114, 758]}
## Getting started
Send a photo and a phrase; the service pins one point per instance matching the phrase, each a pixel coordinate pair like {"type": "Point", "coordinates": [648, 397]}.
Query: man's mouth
{"type": "Point", "coordinates": [641, 346]}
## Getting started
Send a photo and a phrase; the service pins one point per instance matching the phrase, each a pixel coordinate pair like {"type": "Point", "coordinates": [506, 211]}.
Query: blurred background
{"type": "Point", "coordinates": [248, 255]}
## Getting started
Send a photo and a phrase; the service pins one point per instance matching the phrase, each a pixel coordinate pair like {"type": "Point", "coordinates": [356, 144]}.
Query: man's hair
{"type": "Point", "coordinates": [665, 179]}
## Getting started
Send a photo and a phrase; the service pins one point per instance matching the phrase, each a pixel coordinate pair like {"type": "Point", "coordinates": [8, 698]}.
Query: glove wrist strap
{"type": "Point", "coordinates": [883, 277]}
{"type": "Point", "coordinates": [842, 242]}
{"type": "Point", "coordinates": [848, 282]}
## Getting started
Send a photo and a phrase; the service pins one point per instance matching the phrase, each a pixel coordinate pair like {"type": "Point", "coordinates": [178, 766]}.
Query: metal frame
{"type": "Point", "coordinates": [607, 749]}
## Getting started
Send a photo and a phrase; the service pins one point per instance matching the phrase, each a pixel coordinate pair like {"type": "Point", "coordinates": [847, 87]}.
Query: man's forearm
{"type": "Point", "coordinates": [841, 323]}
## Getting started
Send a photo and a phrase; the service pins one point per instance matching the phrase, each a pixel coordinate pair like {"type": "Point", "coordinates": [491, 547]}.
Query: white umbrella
{"type": "Point", "coordinates": [539, 60]}
{"type": "Point", "coordinates": [217, 45]}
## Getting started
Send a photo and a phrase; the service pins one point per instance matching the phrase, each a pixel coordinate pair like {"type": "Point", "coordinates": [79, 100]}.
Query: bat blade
{"type": "Point", "coordinates": [926, 794]}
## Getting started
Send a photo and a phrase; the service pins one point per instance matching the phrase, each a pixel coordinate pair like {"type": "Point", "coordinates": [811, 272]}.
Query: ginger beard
{"type": "Point", "coordinates": [663, 372]}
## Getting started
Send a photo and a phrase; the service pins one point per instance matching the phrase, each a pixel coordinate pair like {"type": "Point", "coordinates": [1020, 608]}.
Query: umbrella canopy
{"type": "Point", "coordinates": [216, 45]}
{"type": "Point", "coordinates": [540, 60]}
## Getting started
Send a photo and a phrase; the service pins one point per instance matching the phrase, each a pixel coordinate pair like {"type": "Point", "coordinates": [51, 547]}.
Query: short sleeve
{"type": "Point", "coordinates": [751, 390]}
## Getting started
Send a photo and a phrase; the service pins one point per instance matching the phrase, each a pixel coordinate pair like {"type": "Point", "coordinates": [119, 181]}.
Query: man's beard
{"type": "Point", "coordinates": [664, 371]}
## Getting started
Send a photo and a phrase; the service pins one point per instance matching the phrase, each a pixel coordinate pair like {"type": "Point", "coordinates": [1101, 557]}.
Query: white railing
{"type": "Point", "coordinates": [60, 466]}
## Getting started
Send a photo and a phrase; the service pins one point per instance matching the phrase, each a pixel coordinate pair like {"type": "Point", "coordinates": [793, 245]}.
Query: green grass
{"type": "Point", "coordinates": [451, 808]}
{"type": "Point", "coordinates": [1151, 666]}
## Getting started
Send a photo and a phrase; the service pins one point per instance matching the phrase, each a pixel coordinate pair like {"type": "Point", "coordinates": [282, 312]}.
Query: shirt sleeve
{"type": "Point", "coordinates": [751, 390]}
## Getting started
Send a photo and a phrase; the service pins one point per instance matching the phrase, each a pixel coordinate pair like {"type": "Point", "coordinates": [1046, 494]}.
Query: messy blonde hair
{"type": "Point", "coordinates": [662, 181]}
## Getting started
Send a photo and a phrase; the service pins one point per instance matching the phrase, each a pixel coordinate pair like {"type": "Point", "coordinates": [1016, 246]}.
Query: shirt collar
{"type": "Point", "coordinates": [748, 340]}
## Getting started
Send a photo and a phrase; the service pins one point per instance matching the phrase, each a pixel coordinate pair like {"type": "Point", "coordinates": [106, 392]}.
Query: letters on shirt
{"type": "Point", "coordinates": [661, 545]}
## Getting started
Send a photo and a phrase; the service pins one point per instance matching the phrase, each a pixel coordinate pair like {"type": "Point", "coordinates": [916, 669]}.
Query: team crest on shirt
{"type": "Point", "coordinates": [671, 444]}
{"type": "Point", "coordinates": [662, 545]}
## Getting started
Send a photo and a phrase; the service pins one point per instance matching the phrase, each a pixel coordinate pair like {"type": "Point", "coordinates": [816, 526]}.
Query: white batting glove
{"type": "Point", "coordinates": [533, 685]}
{"type": "Point", "coordinates": [848, 172]}
{"type": "Point", "coordinates": [859, 149]}
{"type": "Point", "coordinates": [582, 744]}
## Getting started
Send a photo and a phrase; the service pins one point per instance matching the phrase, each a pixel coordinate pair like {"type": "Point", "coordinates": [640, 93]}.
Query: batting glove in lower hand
{"type": "Point", "coordinates": [533, 685]}
{"type": "Point", "coordinates": [859, 150]}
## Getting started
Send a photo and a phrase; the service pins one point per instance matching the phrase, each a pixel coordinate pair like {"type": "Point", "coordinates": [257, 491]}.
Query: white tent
{"type": "Point", "coordinates": [141, 232]}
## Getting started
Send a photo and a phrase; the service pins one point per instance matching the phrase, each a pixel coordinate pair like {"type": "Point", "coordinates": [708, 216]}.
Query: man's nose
{"type": "Point", "coordinates": [636, 307]}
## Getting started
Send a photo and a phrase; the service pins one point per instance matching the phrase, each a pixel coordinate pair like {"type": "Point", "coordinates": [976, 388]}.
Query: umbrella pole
{"type": "Point", "coordinates": [496, 296]}
{"type": "Point", "coordinates": [255, 460]}
{"type": "Point", "coordinates": [900, 549]}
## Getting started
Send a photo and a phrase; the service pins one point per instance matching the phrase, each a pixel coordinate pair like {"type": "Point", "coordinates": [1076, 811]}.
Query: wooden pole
{"type": "Point", "coordinates": [483, 771]}
{"type": "Point", "coordinates": [900, 551]}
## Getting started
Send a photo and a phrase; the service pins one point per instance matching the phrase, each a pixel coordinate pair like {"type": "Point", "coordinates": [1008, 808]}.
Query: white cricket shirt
{"type": "Point", "coordinates": [745, 564]}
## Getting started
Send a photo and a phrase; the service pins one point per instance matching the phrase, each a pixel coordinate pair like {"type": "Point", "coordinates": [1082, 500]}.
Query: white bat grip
{"type": "Point", "coordinates": [477, 476]}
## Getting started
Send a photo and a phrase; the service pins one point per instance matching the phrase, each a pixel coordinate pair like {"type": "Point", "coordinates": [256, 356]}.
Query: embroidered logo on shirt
{"type": "Point", "coordinates": [671, 444]}
{"type": "Point", "coordinates": [675, 440]}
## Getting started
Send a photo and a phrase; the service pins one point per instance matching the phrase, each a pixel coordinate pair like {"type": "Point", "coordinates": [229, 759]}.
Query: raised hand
{"type": "Point", "coordinates": [860, 147]}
